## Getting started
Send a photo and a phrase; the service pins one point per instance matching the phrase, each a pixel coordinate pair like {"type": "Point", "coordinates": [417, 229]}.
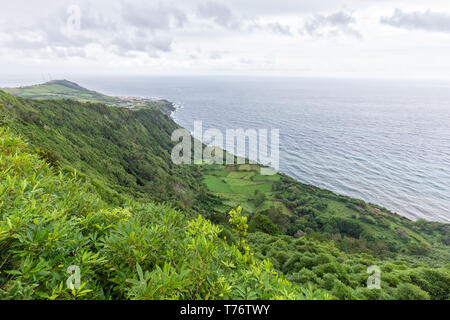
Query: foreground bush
{"type": "Point", "coordinates": [51, 221]}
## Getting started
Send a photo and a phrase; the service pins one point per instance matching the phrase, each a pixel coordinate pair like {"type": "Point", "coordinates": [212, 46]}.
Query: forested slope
{"type": "Point", "coordinates": [125, 153]}
{"type": "Point", "coordinates": [50, 221]}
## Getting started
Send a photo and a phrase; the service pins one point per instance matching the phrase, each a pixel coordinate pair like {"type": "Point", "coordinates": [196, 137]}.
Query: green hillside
{"type": "Point", "coordinates": [125, 153]}
{"type": "Point", "coordinates": [315, 238]}
{"type": "Point", "coordinates": [50, 221]}
{"type": "Point", "coordinates": [64, 89]}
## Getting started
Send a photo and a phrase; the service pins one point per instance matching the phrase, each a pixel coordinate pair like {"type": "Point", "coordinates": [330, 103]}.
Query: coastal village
{"type": "Point", "coordinates": [136, 102]}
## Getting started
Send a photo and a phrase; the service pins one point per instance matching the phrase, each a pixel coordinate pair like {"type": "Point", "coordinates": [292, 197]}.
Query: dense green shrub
{"type": "Point", "coordinates": [262, 223]}
{"type": "Point", "coordinates": [408, 291]}
{"type": "Point", "coordinates": [50, 221]}
{"type": "Point", "coordinates": [317, 261]}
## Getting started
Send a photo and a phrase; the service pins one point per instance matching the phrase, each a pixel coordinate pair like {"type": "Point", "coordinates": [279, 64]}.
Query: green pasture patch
{"type": "Point", "coordinates": [340, 208]}
{"type": "Point", "coordinates": [250, 189]}
{"type": "Point", "coordinates": [233, 200]}
{"type": "Point", "coordinates": [216, 184]}
{"type": "Point", "coordinates": [241, 174]}
{"type": "Point", "coordinates": [218, 173]}
{"type": "Point", "coordinates": [260, 177]}
{"type": "Point", "coordinates": [238, 182]}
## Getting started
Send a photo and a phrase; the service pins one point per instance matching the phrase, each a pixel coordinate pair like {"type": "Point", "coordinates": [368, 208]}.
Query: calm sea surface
{"type": "Point", "coordinates": [387, 142]}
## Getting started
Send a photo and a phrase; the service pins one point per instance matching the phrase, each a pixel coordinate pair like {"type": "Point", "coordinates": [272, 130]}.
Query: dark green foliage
{"type": "Point", "coordinates": [259, 198]}
{"type": "Point", "coordinates": [436, 282]}
{"type": "Point", "coordinates": [407, 291]}
{"type": "Point", "coordinates": [314, 260]}
{"type": "Point", "coordinates": [127, 151]}
{"type": "Point", "coordinates": [420, 249]}
{"type": "Point", "coordinates": [278, 218]}
{"type": "Point", "coordinates": [49, 157]}
{"type": "Point", "coordinates": [262, 223]}
{"type": "Point", "coordinates": [50, 221]}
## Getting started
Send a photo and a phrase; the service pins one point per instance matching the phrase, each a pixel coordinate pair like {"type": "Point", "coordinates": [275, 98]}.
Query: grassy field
{"type": "Point", "coordinates": [60, 89]}
{"type": "Point", "coordinates": [237, 185]}
{"type": "Point", "coordinates": [310, 209]}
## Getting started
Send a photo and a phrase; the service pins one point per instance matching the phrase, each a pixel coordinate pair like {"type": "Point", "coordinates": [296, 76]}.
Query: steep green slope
{"type": "Point", "coordinates": [125, 153]}
{"type": "Point", "coordinates": [315, 260]}
{"type": "Point", "coordinates": [51, 221]}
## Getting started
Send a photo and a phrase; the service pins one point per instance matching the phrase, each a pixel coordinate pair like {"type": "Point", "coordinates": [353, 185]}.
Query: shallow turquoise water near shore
{"type": "Point", "coordinates": [387, 142]}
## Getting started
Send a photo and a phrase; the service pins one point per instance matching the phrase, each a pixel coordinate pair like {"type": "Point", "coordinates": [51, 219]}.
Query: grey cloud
{"type": "Point", "coordinates": [246, 61]}
{"type": "Point", "coordinates": [426, 21]}
{"type": "Point", "coordinates": [43, 31]}
{"type": "Point", "coordinates": [94, 20]}
{"type": "Point", "coordinates": [45, 37]}
{"type": "Point", "coordinates": [48, 32]}
{"type": "Point", "coordinates": [130, 42]}
{"type": "Point", "coordinates": [280, 29]}
{"type": "Point", "coordinates": [69, 52]}
{"type": "Point", "coordinates": [215, 55]}
{"type": "Point", "coordinates": [282, 7]}
{"type": "Point", "coordinates": [218, 13]}
{"type": "Point", "coordinates": [162, 43]}
{"type": "Point", "coordinates": [146, 27]}
{"type": "Point", "coordinates": [276, 28]}
{"type": "Point", "coordinates": [139, 27]}
{"type": "Point", "coordinates": [154, 17]}
{"type": "Point", "coordinates": [331, 25]}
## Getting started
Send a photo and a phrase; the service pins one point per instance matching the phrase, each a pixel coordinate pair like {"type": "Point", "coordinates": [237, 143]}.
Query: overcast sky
{"type": "Point", "coordinates": [320, 38]}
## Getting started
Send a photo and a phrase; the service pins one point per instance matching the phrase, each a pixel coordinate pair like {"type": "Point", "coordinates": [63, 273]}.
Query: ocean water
{"type": "Point", "coordinates": [386, 142]}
